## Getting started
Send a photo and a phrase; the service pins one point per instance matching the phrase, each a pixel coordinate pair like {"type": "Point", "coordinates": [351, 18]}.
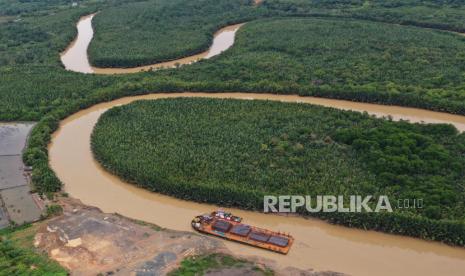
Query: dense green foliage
{"type": "Point", "coordinates": [17, 258]}
{"type": "Point", "coordinates": [22, 7]}
{"type": "Point", "coordinates": [161, 30]}
{"type": "Point", "coordinates": [354, 60]}
{"type": "Point", "coordinates": [33, 82]}
{"type": "Point", "coordinates": [200, 265]}
{"type": "Point", "coordinates": [165, 29]}
{"type": "Point", "coordinates": [439, 14]}
{"type": "Point", "coordinates": [232, 153]}
{"type": "Point", "coordinates": [34, 86]}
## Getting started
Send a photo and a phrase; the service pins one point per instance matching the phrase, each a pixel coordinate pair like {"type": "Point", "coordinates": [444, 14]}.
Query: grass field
{"type": "Point", "coordinates": [18, 257]}
{"type": "Point", "coordinates": [232, 153]}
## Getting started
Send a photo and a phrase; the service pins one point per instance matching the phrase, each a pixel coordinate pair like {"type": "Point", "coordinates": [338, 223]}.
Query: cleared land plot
{"type": "Point", "coordinates": [13, 137]}
{"type": "Point", "coordinates": [20, 205]}
{"type": "Point", "coordinates": [11, 172]}
{"type": "Point", "coordinates": [15, 196]}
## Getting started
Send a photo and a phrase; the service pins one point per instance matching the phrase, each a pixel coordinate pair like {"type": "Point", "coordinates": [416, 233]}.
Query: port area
{"type": "Point", "coordinates": [17, 204]}
{"type": "Point", "coordinates": [230, 227]}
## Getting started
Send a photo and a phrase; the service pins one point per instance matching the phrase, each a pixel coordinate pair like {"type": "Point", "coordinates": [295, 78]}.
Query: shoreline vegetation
{"type": "Point", "coordinates": [269, 148]}
{"type": "Point", "coordinates": [162, 30]}
{"type": "Point", "coordinates": [343, 59]}
{"type": "Point", "coordinates": [50, 87]}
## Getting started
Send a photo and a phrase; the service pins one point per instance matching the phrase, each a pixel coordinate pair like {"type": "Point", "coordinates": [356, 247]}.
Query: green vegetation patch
{"type": "Point", "coordinates": [233, 152]}
{"type": "Point", "coordinates": [35, 86]}
{"type": "Point", "coordinates": [356, 60]}
{"type": "Point", "coordinates": [17, 256]}
{"type": "Point", "coordinates": [21, 7]}
{"type": "Point", "coordinates": [218, 263]}
{"type": "Point", "coordinates": [438, 14]}
{"type": "Point", "coordinates": [153, 31]}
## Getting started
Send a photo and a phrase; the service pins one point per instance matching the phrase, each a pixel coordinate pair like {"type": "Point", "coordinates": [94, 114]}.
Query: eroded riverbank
{"type": "Point", "coordinates": [75, 57]}
{"type": "Point", "coordinates": [319, 245]}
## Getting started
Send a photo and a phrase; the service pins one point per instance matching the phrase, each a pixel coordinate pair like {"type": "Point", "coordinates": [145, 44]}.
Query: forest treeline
{"type": "Point", "coordinates": [28, 8]}
{"type": "Point", "coordinates": [349, 59]}
{"type": "Point", "coordinates": [438, 14]}
{"type": "Point", "coordinates": [33, 82]}
{"type": "Point", "coordinates": [23, 7]}
{"type": "Point", "coordinates": [233, 152]}
{"type": "Point", "coordinates": [161, 30]}
{"type": "Point", "coordinates": [34, 85]}
{"type": "Point", "coordinates": [166, 29]}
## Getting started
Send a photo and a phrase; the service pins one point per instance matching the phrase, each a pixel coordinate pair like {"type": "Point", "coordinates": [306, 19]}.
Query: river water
{"type": "Point", "coordinates": [75, 58]}
{"type": "Point", "coordinates": [319, 245]}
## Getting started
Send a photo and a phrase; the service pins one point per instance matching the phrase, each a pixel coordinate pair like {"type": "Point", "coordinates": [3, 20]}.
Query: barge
{"type": "Point", "coordinates": [227, 226]}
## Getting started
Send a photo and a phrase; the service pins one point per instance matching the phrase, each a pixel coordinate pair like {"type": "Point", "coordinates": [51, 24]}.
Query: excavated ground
{"type": "Point", "coordinates": [87, 242]}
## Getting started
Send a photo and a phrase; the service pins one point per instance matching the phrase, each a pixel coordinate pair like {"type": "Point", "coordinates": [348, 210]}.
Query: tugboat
{"type": "Point", "coordinates": [227, 226]}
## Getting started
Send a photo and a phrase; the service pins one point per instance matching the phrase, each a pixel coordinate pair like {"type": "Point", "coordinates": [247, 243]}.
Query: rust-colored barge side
{"type": "Point", "coordinates": [230, 227]}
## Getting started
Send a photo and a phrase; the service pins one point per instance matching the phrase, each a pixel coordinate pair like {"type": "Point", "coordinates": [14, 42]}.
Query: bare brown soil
{"type": "Point", "coordinates": [87, 241]}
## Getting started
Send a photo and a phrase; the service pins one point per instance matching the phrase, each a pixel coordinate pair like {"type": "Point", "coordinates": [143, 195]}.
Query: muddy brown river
{"type": "Point", "coordinates": [75, 58]}
{"type": "Point", "coordinates": [319, 245]}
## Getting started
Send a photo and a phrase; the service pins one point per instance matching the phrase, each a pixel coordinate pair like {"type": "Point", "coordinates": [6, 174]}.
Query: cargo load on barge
{"type": "Point", "coordinates": [230, 227]}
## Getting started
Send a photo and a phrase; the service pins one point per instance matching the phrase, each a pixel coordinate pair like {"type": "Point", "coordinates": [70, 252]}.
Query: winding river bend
{"type": "Point", "coordinates": [319, 245]}
{"type": "Point", "coordinates": [75, 58]}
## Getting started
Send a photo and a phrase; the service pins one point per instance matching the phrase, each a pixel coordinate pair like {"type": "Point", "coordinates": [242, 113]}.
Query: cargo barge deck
{"type": "Point", "coordinates": [227, 226]}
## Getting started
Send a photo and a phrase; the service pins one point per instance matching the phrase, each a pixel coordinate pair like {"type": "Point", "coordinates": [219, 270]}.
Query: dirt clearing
{"type": "Point", "coordinates": [87, 242]}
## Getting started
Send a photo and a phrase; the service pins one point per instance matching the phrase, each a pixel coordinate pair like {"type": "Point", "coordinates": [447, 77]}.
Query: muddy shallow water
{"type": "Point", "coordinates": [75, 58]}
{"type": "Point", "coordinates": [319, 245]}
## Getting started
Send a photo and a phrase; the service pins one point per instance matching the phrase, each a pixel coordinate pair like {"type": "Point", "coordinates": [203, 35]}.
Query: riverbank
{"type": "Point", "coordinates": [160, 31]}
{"type": "Point", "coordinates": [75, 57]}
{"type": "Point", "coordinates": [61, 108]}
{"type": "Point", "coordinates": [86, 241]}
{"type": "Point", "coordinates": [319, 245]}
{"type": "Point", "coordinates": [235, 152]}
